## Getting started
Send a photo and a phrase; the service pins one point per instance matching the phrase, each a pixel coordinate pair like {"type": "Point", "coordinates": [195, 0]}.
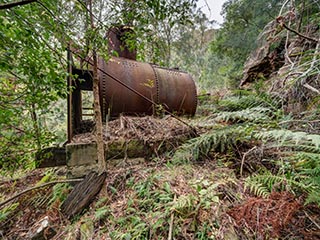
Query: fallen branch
{"type": "Point", "coordinates": [313, 89]}
{"type": "Point", "coordinates": [36, 187]}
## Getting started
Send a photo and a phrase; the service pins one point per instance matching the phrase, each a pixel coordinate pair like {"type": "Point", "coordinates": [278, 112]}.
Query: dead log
{"type": "Point", "coordinates": [83, 194]}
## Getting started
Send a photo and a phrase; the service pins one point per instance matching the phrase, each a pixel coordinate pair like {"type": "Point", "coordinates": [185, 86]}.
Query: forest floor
{"type": "Point", "coordinates": [159, 199]}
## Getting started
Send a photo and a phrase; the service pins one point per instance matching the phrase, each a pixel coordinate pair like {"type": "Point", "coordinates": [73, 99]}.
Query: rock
{"type": "Point", "coordinates": [263, 62]}
{"type": "Point", "coordinates": [44, 231]}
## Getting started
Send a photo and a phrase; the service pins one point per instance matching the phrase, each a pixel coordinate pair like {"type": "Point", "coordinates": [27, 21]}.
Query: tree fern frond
{"type": "Point", "coordinates": [302, 147]}
{"type": "Point", "coordinates": [315, 139]}
{"type": "Point", "coordinates": [315, 172]}
{"type": "Point", "coordinates": [256, 187]}
{"type": "Point", "coordinates": [305, 160]}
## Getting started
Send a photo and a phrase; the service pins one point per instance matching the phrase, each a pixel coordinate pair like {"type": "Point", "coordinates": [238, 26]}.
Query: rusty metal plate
{"type": "Point", "coordinates": [177, 91]}
{"type": "Point", "coordinates": [137, 75]}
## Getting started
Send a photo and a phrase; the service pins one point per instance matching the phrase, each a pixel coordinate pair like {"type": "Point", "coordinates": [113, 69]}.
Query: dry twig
{"type": "Point", "coordinates": [171, 221]}
{"type": "Point", "coordinates": [243, 158]}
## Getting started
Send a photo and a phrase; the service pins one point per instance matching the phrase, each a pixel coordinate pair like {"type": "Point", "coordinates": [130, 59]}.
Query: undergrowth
{"type": "Point", "coordinates": [245, 151]}
{"type": "Point", "coordinates": [252, 121]}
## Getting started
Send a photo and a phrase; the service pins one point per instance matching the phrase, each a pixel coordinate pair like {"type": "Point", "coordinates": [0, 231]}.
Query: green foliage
{"type": "Point", "coordinates": [255, 115]}
{"type": "Point", "coordinates": [6, 211]}
{"type": "Point", "coordinates": [102, 213]}
{"type": "Point", "coordinates": [59, 193]}
{"type": "Point", "coordinates": [245, 100]}
{"type": "Point", "coordinates": [156, 24]}
{"type": "Point", "coordinates": [284, 136]}
{"type": "Point", "coordinates": [220, 140]}
{"type": "Point", "coordinates": [244, 20]}
{"type": "Point", "coordinates": [33, 61]}
{"type": "Point", "coordinates": [148, 205]}
{"type": "Point", "coordinates": [295, 154]}
{"type": "Point", "coordinates": [187, 194]}
{"type": "Point", "coordinates": [248, 112]}
{"type": "Point", "coordinates": [32, 77]}
{"type": "Point", "coordinates": [191, 53]}
{"type": "Point", "coordinates": [299, 168]}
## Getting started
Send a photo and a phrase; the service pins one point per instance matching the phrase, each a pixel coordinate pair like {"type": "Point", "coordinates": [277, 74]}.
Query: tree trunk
{"type": "Point", "coordinates": [97, 109]}
{"type": "Point", "coordinates": [84, 192]}
{"type": "Point", "coordinates": [97, 117]}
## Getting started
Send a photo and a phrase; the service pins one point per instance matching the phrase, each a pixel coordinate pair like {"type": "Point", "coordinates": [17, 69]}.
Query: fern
{"type": "Point", "coordinates": [302, 175]}
{"type": "Point", "coordinates": [284, 136]}
{"type": "Point", "coordinates": [297, 148]}
{"type": "Point", "coordinates": [59, 193]}
{"type": "Point", "coordinates": [264, 184]}
{"type": "Point", "coordinates": [256, 187]}
{"type": "Point", "coordinates": [220, 140]}
{"type": "Point", "coordinates": [305, 160]}
{"type": "Point", "coordinates": [237, 103]}
{"type": "Point", "coordinates": [7, 211]}
{"type": "Point", "coordinates": [256, 114]}
{"type": "Point", "coordinates": [313, 197]}
{"type": "Point", "coordinates": [184, 205]}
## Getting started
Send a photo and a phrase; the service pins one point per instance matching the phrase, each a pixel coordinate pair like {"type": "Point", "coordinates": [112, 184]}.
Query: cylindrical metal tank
{"type": "Point", "coordinates": [173, 89]}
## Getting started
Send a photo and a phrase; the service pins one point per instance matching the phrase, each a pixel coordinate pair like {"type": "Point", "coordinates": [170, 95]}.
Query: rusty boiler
{"type": "Point", "coordinates": [171, 89]}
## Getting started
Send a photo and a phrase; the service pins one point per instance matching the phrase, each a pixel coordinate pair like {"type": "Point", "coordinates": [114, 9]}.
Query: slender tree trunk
{"type": "Point", "coordinates": [35, 125]}
{"type": "Point", "coordinates": [96, 105]}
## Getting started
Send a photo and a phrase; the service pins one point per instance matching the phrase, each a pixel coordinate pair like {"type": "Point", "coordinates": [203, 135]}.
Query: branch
{"type": "Point", "coordinates": [283, 6]}
{"type": "Point", "coordinates": [299, 34]}
{"type": "Point", "coordinates": [36, 187]}
{"type": "Point", "coordinates": [313, 89]}
{"type": "Point", "coordinates": [15, 4]}
{"type": "Point", "coordinates": [243, 158]}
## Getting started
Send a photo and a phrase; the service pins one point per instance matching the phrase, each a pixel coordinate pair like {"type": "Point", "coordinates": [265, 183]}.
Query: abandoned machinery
{"type": "Point", "coordinates": [126, 87]}
{"type": "Point", "coordinates": [130, 87]}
